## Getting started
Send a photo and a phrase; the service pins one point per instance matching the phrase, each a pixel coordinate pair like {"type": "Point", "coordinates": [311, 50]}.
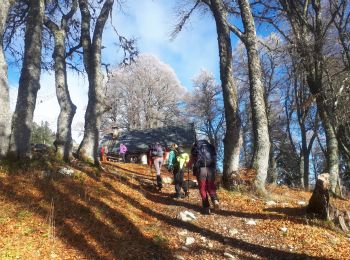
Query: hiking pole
{"type": "Point", "coordinates": [188, 185]}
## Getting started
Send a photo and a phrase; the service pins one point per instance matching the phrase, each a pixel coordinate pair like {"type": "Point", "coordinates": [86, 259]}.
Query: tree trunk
{"type": "Point", "coordinates": [233, 124]}
{"type": "Point", "coordinates": [305, 155]}
{"type": "Point", "coordinates": [63, 140]}
{"type": "Point", "coordinates": [29, 82]}
{"type": "Point", "coordinates": [88, 149]}
{"type": "Point", "coordinates": [272, 172]}
{"type": "Point", "coordinates": [67, 108]}
{"type": "Point", "coordinates": [332, 150]}
{"type": "Point", "coordinates": [5, 114]}
{"type": "Point", "coordinates": [319, 201]}
{"type": "Point", "coordinates": [260, 125]}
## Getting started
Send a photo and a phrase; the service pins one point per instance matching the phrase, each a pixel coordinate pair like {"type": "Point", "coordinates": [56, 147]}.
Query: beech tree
{"type": "Point", "coordinates": [144, 94]}
{"type": "Point", "coordinates": [5, 115]}
{"type": "Point", "coordinates": [92, 44]}
{"type": "Point", "coordinates": [67, 108]}
{"type": "Point", "coordinates": [257, 101]}
{"type": "Point", "coordinates": [29, 81]}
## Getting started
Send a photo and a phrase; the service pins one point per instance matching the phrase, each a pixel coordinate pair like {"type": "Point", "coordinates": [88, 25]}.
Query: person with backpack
{"type": "Point", "coordinates": [156, 155]}
{"type": "Point", "coordinates": [172, 157]}
{"type": "Point", "coordinates": [182, 159]}
{"type": "Point", "coordinates": [203, 161]}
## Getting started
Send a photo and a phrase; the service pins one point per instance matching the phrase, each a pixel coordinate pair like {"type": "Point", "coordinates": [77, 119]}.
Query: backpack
{"type": "Point", "coordinates": [205, 154]}
{"type": "Point", "coordinates": [157, 150]}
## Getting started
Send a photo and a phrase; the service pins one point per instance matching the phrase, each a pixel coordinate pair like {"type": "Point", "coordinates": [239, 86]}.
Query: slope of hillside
{"type": "Point", "coordinates": [120, 215]}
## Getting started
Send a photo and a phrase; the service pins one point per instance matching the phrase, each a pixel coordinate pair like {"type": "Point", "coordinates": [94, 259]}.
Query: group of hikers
{"type": "Point", "coordinates": [202, 160]}
{"type": "Point", "coordinates": [104, 151]}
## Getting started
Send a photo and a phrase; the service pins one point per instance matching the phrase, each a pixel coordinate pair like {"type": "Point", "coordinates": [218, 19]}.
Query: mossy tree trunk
{"type": "Point", "coordinates": [29, 82]}
{"type": "Point", "coordinates": [88, 148]}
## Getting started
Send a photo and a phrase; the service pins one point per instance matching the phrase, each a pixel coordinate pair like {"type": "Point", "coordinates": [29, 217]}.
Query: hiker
{"type": "Point", "coordinates": [172, 157]}
{"type": "Point", "coordinates": [179, 170]}
{"type": "Point", "coordinates": [103, 153]}
{"type": "Point", "coordinates": [156, 155]}
{"type": "Point", "coordinates": [203, 160]}
{"type": "Point", "coordinates": [122, 151]}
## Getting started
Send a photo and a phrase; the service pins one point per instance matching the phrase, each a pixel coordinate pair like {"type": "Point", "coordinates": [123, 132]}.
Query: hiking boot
{"type": "Point", "coordinates": [206, 211]}
{"type": "Point", "coordinates": [182, 196]}
{"type": "Point", "coordinates": [175, 196]}
{"type": "Point", "coordinates": [159, 183]}
{"type": "Point", "coordinates": [216, 204]}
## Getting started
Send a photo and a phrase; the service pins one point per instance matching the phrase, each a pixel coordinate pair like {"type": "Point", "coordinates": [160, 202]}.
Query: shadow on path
{"type": "Point", "coordinates": [262, 251]}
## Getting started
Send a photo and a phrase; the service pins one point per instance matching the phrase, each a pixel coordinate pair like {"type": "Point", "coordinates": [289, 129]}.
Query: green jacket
{"type": "Point", "coordinates": [183, 159]}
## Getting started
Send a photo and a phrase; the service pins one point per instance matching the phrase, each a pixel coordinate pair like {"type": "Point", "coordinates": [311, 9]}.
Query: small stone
{"type": "Point", "coordinates": [233, 232]}
{"type": "Point", "coordinates": [183, 232]}
{"type": "Point", "coordinates": [203, 239]}
{"type": "Point", "coordinates": [185, 248]}
{"type": "Point", "coordinates": [189, 241]}
{"type": "Point", "coordinates": [66, 171]}
{"type": "Point", "coordinates": [284, 229]}
{"type": "Point", "coordinates": [301, 203]}
{"type": "Point", "coordinates": [229, 256]}
{"type": "Point", "coordinates": [251, 222]}
{"type": "Point", "coordinates": [210, 245]}
{"type": "Point", "coordinates": [271, 203]}
{"type": "Point", "coordinates": [179, 257]}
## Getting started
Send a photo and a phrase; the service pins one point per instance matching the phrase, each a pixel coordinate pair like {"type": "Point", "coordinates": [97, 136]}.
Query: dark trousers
{"type": "Point", "coordinates": [179, 180]}
{"type": "Point", "coordinates": [206, 184]}
{"type": "Point", "coordinates": [123, 156]}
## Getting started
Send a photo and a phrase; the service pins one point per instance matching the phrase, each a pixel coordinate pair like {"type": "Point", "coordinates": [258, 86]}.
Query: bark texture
{"type": "Point", "coordinates": [260, 124]}
{"type": "Point", "coordinates": [29, 82]}
{"type": "Point", "coordinates": [63, 140]}
{"type": "Point", "coordinates": [88, 149]}
{"type": "Point", "coordinates": [5, 114]}
{"type": "Point", "coordinates": [233, 124]}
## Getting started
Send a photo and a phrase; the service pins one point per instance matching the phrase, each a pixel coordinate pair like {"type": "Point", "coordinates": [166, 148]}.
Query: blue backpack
{"type": "Point", "coordinates": [205, 154]}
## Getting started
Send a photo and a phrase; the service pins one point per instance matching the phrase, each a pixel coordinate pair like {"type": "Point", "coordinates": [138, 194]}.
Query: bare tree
{"type": "Point", "coordinates": [5, 115]}
{"type": "Point", "coordinates": [307, 36]}
{"type": "Point", "coordinates": [67, 108]}
{"type": "Point", "coordinates": [144, 94]}
{"type": "Point", "coordinates": [204, 107]}
{"type": "Point", "coordinates": [88, 149]}
{"type": "Point", "coordinates": [29, 81]}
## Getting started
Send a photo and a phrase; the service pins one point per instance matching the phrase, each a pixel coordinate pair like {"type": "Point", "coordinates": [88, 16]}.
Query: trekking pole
{"type": "Point", "coordinates": [188, 185]}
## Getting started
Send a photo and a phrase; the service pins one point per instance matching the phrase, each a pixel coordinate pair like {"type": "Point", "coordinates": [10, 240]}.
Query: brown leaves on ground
{"type": "Point", "coordinates": [120, 215]}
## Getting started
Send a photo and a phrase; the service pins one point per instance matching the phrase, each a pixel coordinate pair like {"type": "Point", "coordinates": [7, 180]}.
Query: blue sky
{"type": "Point", "coordinates": [151, 23]}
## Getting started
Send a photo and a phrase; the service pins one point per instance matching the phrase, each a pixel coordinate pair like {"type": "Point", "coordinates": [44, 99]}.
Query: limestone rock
{"type": "Point", "coordinates": [186, 216]}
